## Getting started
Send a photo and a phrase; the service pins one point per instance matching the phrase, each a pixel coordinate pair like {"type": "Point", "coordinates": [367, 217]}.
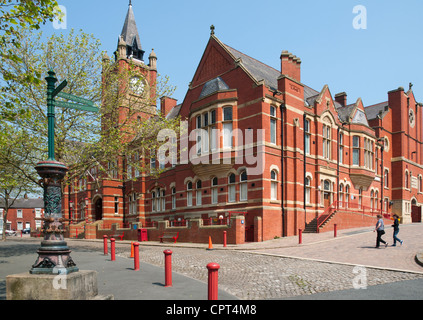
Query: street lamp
{"type": "Point", "coordinates": [54, 254]}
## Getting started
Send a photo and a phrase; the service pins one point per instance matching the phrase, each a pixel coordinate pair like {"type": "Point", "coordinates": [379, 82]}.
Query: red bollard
{"type": "Point", "coordinates": [168, 268]}
{"type": "Point", "coordinates": [224, 239]}
{"type": "Point", "coordinates": [300, 236]}
{"type": "Point", "coordinates": [213, 281]}
{"type": "Point", "coordinates": [136, 256]}
{"type": "Point", "coordinates": [106, 251]}
{"type": "Point", "coordinates": [335, 233]}
{"type": "Point", "coordinates": [112, 249]}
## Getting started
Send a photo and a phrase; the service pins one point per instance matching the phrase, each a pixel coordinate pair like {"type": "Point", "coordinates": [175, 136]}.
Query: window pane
{"type": "Point", "coordinates": [243, 191]}
{"type": "Point", "coordinates": [214, 182]}
{"type": "Point", "coordinates": [273, 131]}
{"type": "Point", "coordinates": [227, 135]}
{"type": "Point", "coordinates": [232, 178]}
{"type": "Point", "coordinates": [273, 111]}
{"type": "Point", "coordinates": [213, 116]}
{"type": "Point", "coordinates": [307, 144]}
{"type": "Point", "coordinates": [214, 195]}
{"type": "Point", "coordinates": [231, 193]}
{"type": "Point", "coordinates": [273, 191]}
{"type": "Point", "coordinates": [356, 157]}
{"type": "Point", "coordinates": [356, 142]}
{"type": "Point", "coordinates": [227, 114]}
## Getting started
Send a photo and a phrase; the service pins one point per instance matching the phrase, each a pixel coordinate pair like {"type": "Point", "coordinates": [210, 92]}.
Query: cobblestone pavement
{"type": "Point", "coordinates": [265, 273]}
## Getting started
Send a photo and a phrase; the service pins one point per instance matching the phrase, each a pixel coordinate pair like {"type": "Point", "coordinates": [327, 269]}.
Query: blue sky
{"type": "Point", "coordinates": [365, 63]}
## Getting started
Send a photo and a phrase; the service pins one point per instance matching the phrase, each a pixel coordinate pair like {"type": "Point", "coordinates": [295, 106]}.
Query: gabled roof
{"type": "Point", "coordinates": [260, 71]}
{"type": "Point", "coordinates": [26, 203]}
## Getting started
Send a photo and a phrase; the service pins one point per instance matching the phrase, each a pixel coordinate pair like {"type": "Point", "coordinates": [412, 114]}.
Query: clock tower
{"type": "Point", "coordinates": [132, 80]}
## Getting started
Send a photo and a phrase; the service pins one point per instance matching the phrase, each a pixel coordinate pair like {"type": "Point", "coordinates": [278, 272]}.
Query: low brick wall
{"type": "Point", "coordinates": [194, 232]}
{"type": "Point", "coordinates": [350, 220]}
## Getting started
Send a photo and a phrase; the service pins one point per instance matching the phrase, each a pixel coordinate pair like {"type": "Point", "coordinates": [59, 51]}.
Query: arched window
{"type": "Point", "coordinates": [231, 188]}
{"type": "Point", "coordinates": [189, 194]}
{"type": "Point", "coordinates": [274, 185]}
{"type": "Point", "coordinates": [163, 199]}
{"type": "Point", "coordinates": [307, 137]}
{"type": "Point", "coordinates": [198, 200]}
{"type": "Point", "coordinates": [372, 199]}
{"type": "Point", "coordinates": [227, 127]}
{"type": "Point", "coordinates": [214, 190]}
{"type": "Point", "coordinates": [307, 190]}
{"type": "Point", "coordinates": [341, 195]}
{"type": "Point", "coordinates": [272, 125]}
{"type": "Point", "coordinates": [347, 195]}
{"type": "Point", "coordinates": [386, 179]}
{"type": "Point", "coordinates": [153, 201]}
{"type": "Point", "coordinates": [243, 187]}
{"type": "Point", "coordinates": [327, 141]}
{"type": "Point", "coordinates": [173, 198]}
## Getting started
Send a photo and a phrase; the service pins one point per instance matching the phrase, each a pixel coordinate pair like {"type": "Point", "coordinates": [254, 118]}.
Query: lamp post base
{"type": "Point", "coordinates": [54, 254]}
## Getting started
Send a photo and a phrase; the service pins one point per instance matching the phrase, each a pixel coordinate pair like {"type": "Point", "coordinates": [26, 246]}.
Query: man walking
{"type": "Point", "coordinates": [380, 228]}
{"type": "Point", "coordinates": [396, 231]}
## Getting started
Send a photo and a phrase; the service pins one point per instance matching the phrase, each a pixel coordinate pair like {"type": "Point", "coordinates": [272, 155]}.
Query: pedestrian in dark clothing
{"type": "Point", "coordinates": [396, 231]}
{"type": "Point", "coordinates": [380, 228]}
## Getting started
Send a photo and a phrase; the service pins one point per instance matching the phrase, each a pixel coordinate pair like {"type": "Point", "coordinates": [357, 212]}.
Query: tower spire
{"type": "Point", "coordinates": [130, 35]}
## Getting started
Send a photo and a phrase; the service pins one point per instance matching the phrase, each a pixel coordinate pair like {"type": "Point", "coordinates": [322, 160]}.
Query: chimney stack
{"type": "Point", "coordinates": [341, 98]}
{"type": "Point", "coordinates": [167, 104]}
{"type": "Point", "coordinates": [291, 65]}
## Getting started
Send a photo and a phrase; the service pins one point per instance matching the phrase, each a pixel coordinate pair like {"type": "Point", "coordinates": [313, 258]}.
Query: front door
{"type": "Point", "coordinates": [326, 201]}
{"type": "Point", "coordinates": [416, 214]}
{"type": "Point", "coordinates": [99, 210]}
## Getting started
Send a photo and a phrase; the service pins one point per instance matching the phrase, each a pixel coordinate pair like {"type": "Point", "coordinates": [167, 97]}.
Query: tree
{"type": "Point", "coordinates": [14, 170]}
{"type": "Point", "coordinates": [126, 125]}
{"type": "Point", "coordinates": [15, 15]}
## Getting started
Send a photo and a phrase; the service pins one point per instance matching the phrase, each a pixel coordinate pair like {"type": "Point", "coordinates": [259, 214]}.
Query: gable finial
{"type": "Point", "coordinates": [212, 30]}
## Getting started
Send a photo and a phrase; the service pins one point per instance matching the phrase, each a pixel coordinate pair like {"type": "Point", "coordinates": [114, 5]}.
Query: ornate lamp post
{"type": "Point", "coordinates": [54, 254]}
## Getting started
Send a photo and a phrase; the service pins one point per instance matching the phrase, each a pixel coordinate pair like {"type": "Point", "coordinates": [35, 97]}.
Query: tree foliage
{"type": "Point", "coordinates": [124, 131]}
{"type": "Point", "coordinates": [17, 15]}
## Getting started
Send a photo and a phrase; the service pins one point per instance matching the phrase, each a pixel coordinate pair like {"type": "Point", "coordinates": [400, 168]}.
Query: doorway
{"type": "Point", "coordinates": [99, 209]}
{"type": "Point", "coordinates": [416, 212]}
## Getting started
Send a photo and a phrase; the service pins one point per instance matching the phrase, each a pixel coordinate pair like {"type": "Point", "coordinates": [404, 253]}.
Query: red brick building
{"type": "Point", "coordinates": [23, 214]}
{"type": "Point", "coordinates": [262, 144]}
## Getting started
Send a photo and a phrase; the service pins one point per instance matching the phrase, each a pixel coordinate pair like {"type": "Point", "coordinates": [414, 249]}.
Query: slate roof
{"type": "Point", "coordinates": [373, 111]}
{"type": "Point", "coordinates": [26, 203]}
{"type": "Point", "coordinates": [261, 71]}
{"type": "Point", "coordinates": [130, 31]}
{"type": "Point", "coordinates": [213, 86]}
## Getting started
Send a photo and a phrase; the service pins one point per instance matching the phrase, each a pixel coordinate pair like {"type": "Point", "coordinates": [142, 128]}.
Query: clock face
{"type": "Point", "coordinates": [411, 118]}
{"type": "Point", "coordinates": [136, 85]}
